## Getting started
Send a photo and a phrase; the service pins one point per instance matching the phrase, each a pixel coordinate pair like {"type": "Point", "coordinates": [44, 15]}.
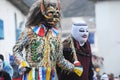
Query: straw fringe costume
{"type": "Point", "coordinates": [42, 44]}
{"type": "Point", "coordinates": [40, 51]}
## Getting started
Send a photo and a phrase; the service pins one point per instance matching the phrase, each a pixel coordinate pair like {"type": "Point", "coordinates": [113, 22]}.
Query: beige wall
{"type": "Point", "coordinates": [108, 30]}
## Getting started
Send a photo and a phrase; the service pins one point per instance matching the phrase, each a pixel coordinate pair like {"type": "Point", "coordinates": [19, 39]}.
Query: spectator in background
{"type": "Point", "coordinates": [119, 77]}
{"type": "Point", "coordinates": [77, 46]}
{"type": "Point", "coordinates": [15, 67]}
{"type": "Point", "coordinates": [111, 76]}
{"type": "Point", "coordinates": [104, 77]}
{"type": "Point", "coordinates": [116, 78]}
{"type": "Point", "coordinates": [4, 75]}
{"type": "Point", "coordinates": [6, 66]}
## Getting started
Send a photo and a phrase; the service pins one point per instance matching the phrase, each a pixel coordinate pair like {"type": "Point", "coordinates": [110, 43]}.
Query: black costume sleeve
{"type": "Point", "coordinates": [91, 73]}
{"type": "Point", "coordinates": [5, 75]}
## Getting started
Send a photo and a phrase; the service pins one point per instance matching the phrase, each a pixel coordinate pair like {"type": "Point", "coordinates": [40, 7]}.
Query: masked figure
{"type": "Point", "coordinates": [77, 44]}
{"type": "Point", "coordinates": [42, 44]}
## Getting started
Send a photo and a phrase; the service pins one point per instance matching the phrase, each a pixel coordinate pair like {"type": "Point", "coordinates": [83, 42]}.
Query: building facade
{"type": "Point", "coordinates": [11, 20]}
{"type": "Point", "coordinates": [107, 28]}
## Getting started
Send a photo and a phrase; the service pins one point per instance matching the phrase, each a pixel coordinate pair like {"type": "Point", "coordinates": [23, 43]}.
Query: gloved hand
{"type": "Point", "coordinates": [78, 68]}
{"type": "Point", "coordinates": [24, 70]}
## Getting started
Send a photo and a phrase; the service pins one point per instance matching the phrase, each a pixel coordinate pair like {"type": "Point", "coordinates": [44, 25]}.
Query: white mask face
{"type": "Point", "coordinates": [80, 33]}
{"type": "Point", "coordinates": [1, 64]}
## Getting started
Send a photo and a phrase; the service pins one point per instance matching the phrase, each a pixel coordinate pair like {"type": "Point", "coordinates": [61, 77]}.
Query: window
{"type": "Point", "coordinates": [91, 37]}
{"type": "Point", "coordinates": [1, 29]}
{"type": "Point", "coordinates": [18, 32]}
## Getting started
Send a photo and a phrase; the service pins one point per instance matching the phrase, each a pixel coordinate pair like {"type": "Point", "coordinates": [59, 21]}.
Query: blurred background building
{"type": "Point", "coordinates": [101, 16]}
{"type": "Point", "coordinates": [107, 27]}
{"type": "Point", "coordinates": [11, 21]}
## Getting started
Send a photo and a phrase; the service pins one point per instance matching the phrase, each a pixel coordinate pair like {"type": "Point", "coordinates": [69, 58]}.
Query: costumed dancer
{"type": "Point", "coordinates": [77, 44]}
{"type": "Point", "coordinates": [42, 44]}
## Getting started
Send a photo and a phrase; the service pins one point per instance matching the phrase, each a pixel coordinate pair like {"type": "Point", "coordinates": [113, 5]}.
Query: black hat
{"type": "Point", "coordinates": [1, 57]}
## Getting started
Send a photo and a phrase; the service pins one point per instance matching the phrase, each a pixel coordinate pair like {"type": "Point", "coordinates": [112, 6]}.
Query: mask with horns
{"type": "Point", "coordinates": [44, 11]}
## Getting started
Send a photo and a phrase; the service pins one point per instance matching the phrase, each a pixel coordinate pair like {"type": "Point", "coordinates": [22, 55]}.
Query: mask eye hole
{"type": "Point", "coordinates": [53, 14]}
{"type": "Point", "coordinates": [81, 30]}
{"type": "Point", "coordinates": [58, 14]}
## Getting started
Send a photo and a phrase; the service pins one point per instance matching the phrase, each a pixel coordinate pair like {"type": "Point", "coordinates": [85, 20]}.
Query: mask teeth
{"type": "Point", "coordinates": [47, 17]}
